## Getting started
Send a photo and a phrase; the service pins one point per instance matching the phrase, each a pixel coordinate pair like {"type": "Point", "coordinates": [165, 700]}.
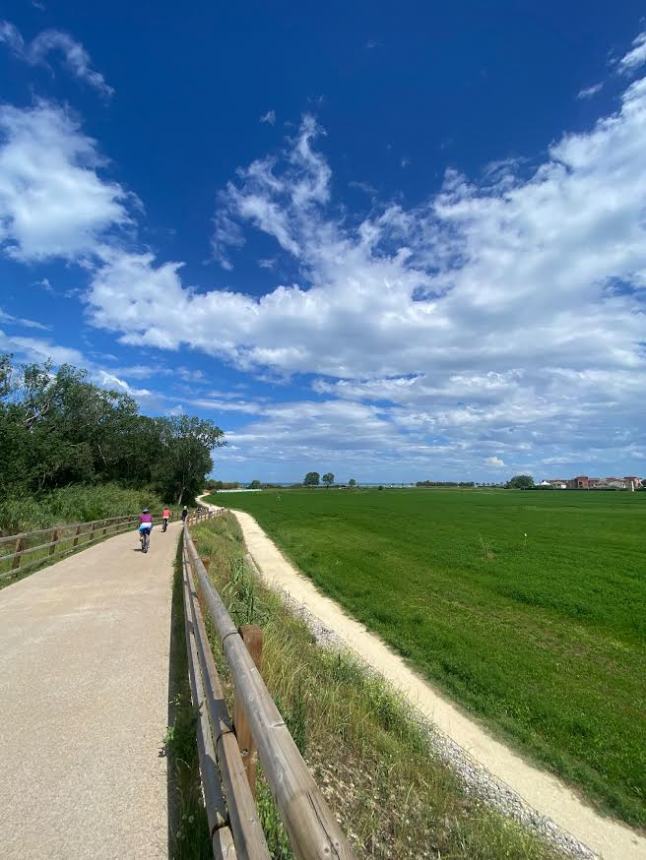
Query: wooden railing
{"type": "Point", "coordinates": [27, 550]}
{"type": "Point", "coordinates": [312, 829]}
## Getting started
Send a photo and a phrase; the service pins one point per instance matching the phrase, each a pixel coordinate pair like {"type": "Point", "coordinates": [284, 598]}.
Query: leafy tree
{"type": "Point", "coordinates": [352, 482]}
{"type": "Point", "coordinates": [185, 456]}
{"type": "Point", "coordinates": [254, 485]}
{"type": "Point", "coordinates": [520, 482]}
{"type": "Point", "coordinates": [328, 479]}
{"type": "Point", "coordinates": [58, 429]}
{"type": "Point", "coordinates": [312, 479]}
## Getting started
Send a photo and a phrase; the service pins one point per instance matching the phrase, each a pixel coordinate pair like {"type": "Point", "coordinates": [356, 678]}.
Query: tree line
{"type": "Point", "coordinates": [58, 429]}
{"type": "Point", "coordinates": [313, 479]}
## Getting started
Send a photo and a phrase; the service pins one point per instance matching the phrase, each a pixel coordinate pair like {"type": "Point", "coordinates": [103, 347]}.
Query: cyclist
{"type": "Point", "coordinates": [184, 513]}
{"type": "Point", "coordinates": [166, 515]}
{"type": "Point", "coordinates": [145, 527]}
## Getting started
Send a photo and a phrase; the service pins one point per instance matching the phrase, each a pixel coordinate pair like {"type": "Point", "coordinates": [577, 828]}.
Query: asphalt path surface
{"type": "Point", "coordinates": [84, 662]}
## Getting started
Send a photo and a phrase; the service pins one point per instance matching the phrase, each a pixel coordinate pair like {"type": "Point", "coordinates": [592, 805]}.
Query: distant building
{"type": "Point", "coordinates": [583, 482]}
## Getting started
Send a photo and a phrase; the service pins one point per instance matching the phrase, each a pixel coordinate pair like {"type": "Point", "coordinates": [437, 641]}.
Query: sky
{"type": "Point", "coordinates": [395, 242]}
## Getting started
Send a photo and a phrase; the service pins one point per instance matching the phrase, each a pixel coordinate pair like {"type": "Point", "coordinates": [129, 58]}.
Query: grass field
{"type": "Point", "coordinates": [374, 764]}
{"type": "Point", "coordinates": [528, 608]}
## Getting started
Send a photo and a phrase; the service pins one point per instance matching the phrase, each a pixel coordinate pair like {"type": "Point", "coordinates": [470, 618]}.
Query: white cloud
{"type": "Point", "coordinates": [538, 272]}
{"type": "Point", "coordinates": [589, 92]}
{"type": "Point", "coordinates": [53, 203]}
{"type": "Point", "coordinates": [75, 58]}
{"type": "Point", "coordinates": [108, 380]}
{"type": "Point", "coordinates": [495, 461]}
{"type": "Point", "coordinates": [499, 318]}
{"type": "Point", "coordinates": [21, 321]}
{"type": "Point", "coordinates": [33, 349]}
{"type": "Point", "coordinates": [504, 314]}
{"type": "Point", "coordinates": [636, 57]}
{"type": "Point", "coordinates": [269, 117]}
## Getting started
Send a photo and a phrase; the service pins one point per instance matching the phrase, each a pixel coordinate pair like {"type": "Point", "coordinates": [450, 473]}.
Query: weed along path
{"type": "Point", "coordinates": [544, 793]}
{"type": "Point", "coordinates": [84, 663]}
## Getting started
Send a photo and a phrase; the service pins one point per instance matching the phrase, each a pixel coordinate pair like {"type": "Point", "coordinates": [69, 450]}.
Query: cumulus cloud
{"type": "Point", "coordinates": [501, 318]}
{"type": "Point", "coordinates": [269, 117]}
{"type": "Point", "coordinates": [53, 203]}
{"type": "Point", "coordinates": [510, 305]}
{"type": "Point", "coordinates": [545, 270]}
{"type": "Point", "coordinates": [109, 380]}
{"type": "Point", "coordinates": [495, 461]}
{"type": "Point", "coordinates": [75, 58]}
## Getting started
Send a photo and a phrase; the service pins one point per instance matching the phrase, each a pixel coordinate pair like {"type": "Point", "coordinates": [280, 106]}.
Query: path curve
{"type": "Point", "coordinates": [84, 661]}
{"type": "Point", "coordinates": [545, 793]}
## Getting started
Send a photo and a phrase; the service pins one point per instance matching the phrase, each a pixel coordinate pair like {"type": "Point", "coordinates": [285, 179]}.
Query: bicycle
{"type": "Point", "coordinates": [144, 536]}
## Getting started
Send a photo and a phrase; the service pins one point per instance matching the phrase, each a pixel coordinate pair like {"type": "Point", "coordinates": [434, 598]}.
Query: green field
{"type": "Point", "coordinates": [527, 607]}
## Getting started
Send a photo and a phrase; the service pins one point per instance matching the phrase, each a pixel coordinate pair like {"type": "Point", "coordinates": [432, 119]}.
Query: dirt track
{"type": "Point", "coordinates": [541, 791]}
{"type": "Point", "coordinates": [84, 657]}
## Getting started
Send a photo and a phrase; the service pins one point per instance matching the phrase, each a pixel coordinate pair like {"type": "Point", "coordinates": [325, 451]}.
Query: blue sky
{"type": "Point", "coordinates": [392, 241]}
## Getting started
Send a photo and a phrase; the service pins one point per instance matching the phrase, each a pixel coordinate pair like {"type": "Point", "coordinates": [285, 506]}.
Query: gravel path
{"type": "Point", "coordinates": [84, 655]}
{"type": "Point", "coordinates": [488, 767]}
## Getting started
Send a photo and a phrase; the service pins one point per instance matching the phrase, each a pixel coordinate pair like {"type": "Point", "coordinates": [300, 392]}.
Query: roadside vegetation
{"type": "Point", "coordinates": [188, 829]}
{"type": "Point", "coordinates": [374, 764]}
{"type": "Point", "coordinates": [528, 609]}
{"type": "Point", "coordinates": [60, 509]}
{"type": "Point", "coordinates": [65, 443]}
{"type": "Point", "coordinates": [81, 503]}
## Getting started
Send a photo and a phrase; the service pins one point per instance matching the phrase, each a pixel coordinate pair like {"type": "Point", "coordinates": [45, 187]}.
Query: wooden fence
{"type": "Point", "coordinates": [312, 829]}
{"type": "Point", "coordinates": [28, 550]}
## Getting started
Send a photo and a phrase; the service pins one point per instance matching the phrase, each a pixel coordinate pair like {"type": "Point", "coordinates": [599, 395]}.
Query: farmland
{"type": "Point", "coordinates": [527, 608]}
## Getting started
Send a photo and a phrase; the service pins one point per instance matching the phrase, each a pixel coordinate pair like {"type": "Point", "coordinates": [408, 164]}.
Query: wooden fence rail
{"type": "Point", "coordinates": [63, 540]}
{"type": "Point", "coordinates": [313, 831]}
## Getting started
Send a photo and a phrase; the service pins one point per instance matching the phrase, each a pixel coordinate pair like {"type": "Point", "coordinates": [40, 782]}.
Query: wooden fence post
{"type": "Point", "coordinates": [76, 536]}
{"type": "Point", "coordinates": [52, 548]}
{"type": "Point", "coordinates": [252, 638]}
{"type": "Point", "coordinates": [20, 545]}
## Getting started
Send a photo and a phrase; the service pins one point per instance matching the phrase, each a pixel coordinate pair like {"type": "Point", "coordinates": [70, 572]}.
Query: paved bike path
{"type": "Point", "coordinates": [84, 659]}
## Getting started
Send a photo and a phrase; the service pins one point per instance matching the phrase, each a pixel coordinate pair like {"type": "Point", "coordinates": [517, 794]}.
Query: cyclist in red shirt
{"type": "Point", "coordinates": [166, 515]}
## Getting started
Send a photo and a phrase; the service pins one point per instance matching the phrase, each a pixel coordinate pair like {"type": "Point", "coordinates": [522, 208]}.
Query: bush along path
{"type": "Point", "coordinates": [84, 656]}
{"type": "Point", "coordinates": [491, 769]}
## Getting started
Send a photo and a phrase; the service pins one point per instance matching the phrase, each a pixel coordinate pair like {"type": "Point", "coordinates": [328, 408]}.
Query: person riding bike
{"type": "Point", "coordinates": [166, 515]}
{"type": "Point", "coordinates": [184, 513]}
{"type": "Point", "coordinates": [145, 527]}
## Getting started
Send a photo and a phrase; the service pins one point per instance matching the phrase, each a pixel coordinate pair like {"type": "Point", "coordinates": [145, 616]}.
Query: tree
{"type": "Point", "coordinates": [520, 482]}
{"type": "Point", "coordinates": [58, 429]}
{"type": "Point", "coordinates": [254, 485]}
{"type": "Point", "coordinates": [185, 458]}
{"type": "Point", "coordinates": [352, 483]}
{"type": "Point", "coordinates": [312, 479]}
{"type": "Point", "coordinates": [328, 479]}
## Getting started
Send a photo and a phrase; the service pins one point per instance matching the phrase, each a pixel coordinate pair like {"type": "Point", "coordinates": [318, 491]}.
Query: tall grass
{"type": "Point", "coordinates": [374, 764]}
{"type": "Point", "coordinates": [188, 824]}
{"type": "Point", "coordinates": [77, 503]}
